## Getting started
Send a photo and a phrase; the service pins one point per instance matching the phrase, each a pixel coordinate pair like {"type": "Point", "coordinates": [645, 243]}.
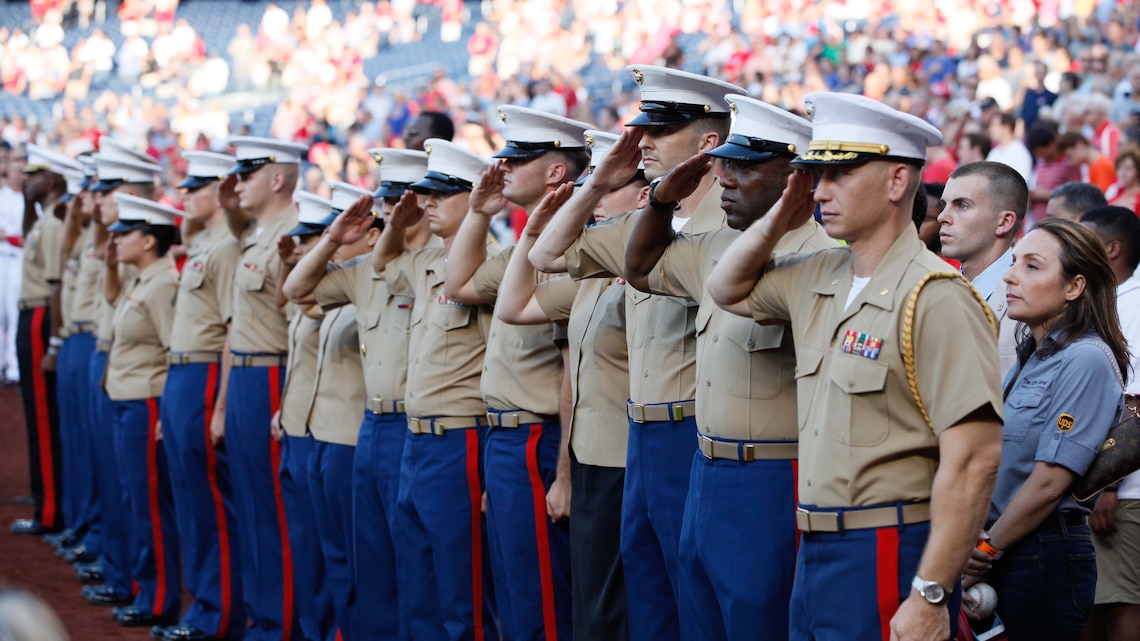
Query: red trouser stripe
{"type": "Point", "coordinates": [887, 576]}
{"type": "Point", "coordinates": [475, 489]}
{"type": "Point", "coordinates": [155, 514]}
{"type": "Point", "coordinates": [219, 504]}
{"type": "Point", "coordinates": [283, 525]}
{"type": "Point", "coordinates": [545, 573]}
{"type": "Point", "coordinates": [43, 419]}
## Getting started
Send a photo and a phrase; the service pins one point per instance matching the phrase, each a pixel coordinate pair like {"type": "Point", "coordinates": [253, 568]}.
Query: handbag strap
{"type": "Point", "coordinates": [1108, 354]}
{"type": "Point", "coordinates": [908, 330]}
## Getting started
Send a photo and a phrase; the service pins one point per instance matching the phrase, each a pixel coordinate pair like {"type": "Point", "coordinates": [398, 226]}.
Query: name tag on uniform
{"type": "Point", "coordinates": [862, 344]}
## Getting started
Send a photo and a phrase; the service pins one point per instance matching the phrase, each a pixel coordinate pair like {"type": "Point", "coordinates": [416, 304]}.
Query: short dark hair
{"type": "Point", "coordinates": [1080, 196]}
{"type": "Point", "coordinates": [981, 141]}
{"type": "Point", "coordinates": [934, 189]}
{"type": "Point", "coordinates": [1008, 119]}
{"type": "Point", "coordinates": [1071, 139]}
{"type": "Point", "coordinates": [441, 125]}
{"type": "Point", "coordinates": [576, 162]}
{"type": "Point", "coordinates": [1041, 134]}
{"type": "Point", "coordinates": [165, 236]}
{"type": "Point", "coordinates": [1120, 224]}
{"type": "Point", "coordinates": [1007, 189]}
{"type": "Point", "coordinates": [718, 126]}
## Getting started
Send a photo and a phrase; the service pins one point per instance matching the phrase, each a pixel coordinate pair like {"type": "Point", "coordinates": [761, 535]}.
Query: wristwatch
{"type": "Point", "coordinates": [657, 204]}
{"type": "Point", "coordinates": [932, 591]}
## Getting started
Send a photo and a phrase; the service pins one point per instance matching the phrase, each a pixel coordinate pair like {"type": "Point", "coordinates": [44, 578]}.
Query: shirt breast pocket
{"type": "Point", "coordinates": [1024, 404]}
{"type": "Point", "coordinates": [640, 303]}
{"type": "Point", "coordinates": [761, 346]}
{"type": "Point", "coordinates": [807, 369]}
{"type": "Point", "coordinates": [863, 420]}
{"type": "Point", "coordinates": [192, 279]}
{"type": "Point", "coordinates": [249, 279]}
{"type": "Point", "coordinates": [451, 317]}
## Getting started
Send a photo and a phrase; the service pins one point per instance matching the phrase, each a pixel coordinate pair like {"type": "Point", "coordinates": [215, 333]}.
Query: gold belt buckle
{"type": "Point", "coordinates": [400, 407]}
{"type": "Point", "coordinates": [678, 413]}
{"type": "Point", "coordinates": [748, 452]}
{"type": "Point", "coordinates": [414, 423]}
{"type": "Point", "coordinates": [491, 419]}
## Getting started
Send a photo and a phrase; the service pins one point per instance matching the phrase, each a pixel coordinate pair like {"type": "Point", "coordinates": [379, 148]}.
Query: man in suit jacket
{"type": "Point", "coordinates": [983, 207]}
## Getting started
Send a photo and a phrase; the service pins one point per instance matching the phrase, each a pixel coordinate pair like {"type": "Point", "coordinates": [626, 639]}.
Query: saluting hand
{"type": "Point", "coordinates": [547, 207]}
{"type": "Point", "coordinates": [285, 247]}
{"type": "Point", "coordinates": [353, 223]}
{"type": "Point", "coordinates": [487, 197]}
{"type": "Point", "coordinates": [111, 253]}
{"type": "Point", "coordinates": [227, 198]}
{"type": "Point", "coordinates": [794, 208]}
{"type": "Point", "coordinates": [620, 164]}
{"type": "Point", "coordinates": [683, 180]}
{"type": "Point", "coordinates": [407, 212]}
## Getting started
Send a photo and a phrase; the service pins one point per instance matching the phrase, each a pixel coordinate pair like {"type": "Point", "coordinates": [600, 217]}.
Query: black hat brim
{"type": "Point", "coordinates": [428, 185]}
{"type": "Point", "coordinates": [66, 198]}
{"type": "Point", "coordinates": [659, 117]}
{"type": "Point", "coordinates": [124, 226]}
{"type": "Point", "coordinates": [328, 220]}
{"type": "Point", "coordinates": [105, 185]}
{"type": "Point", "coordinates": [196, 182]}
{"type": "Point", "coordinates": [733, 151]}
{"type": "Point", "coordinates": [306, 229]}
{"type": "Point", "coordinates": [518, 152]}
{"type": "Point", "coordinates": [391, 190]}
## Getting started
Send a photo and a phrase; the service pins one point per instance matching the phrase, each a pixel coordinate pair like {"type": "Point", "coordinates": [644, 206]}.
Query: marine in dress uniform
{"type": "Point", "coordinates": [981, 216]}
{"type": "Point", "coordinates": [334, 421]}
{"type": "Point", "coordinates": [874, 465]}
{"type": "Point", "coordinates": [135, 376]}
{"type": "Point", "coordinates": [383, 322]}
{"type": "Point", "coordinates": [37, 337]}
{"type": "Point", "coordinates": [267, 175]}
{"type": "Point", "coordinates": [521, 384]}
{"type": "Point", "coordinates": [681, 114]}
{"type": "Point", "coordinates": [736, 568]}
{"type": "Point", "coordinates": [195, 401]}
{"type": "Point", "coordinates": [440, 530]}
{"type": "Point", "coordinates": [118, 169]}
{"type": "Point", "coordinates": [313, 591]}
{"type": "Point", "coordinates": [594, 311]}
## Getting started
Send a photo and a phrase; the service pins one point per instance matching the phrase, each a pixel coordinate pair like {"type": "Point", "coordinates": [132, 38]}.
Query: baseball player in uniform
{"type": "Point", "coordinates": [193, 415]}
{"type": "Point", "coordinates": [135, 376]}
{"type": "Point", "coordinates": [736, 566]}
{"type": "Point", "coordinates": [11, 258]}
{"type": "Point", "coordinates": [440, 530]}
{"type": "Point", "coordinates": [260, 209]}
{"type": "Point", "coordinates": [892, 494]}
{"type": "Point", "coordinates": [119, 169]}
{"type": "Point", "coordinates": [383, 322]}
{"type": "Point", "coordinates": [527, 463]}
{"type": "Point", "coordinates": [598, 430]}
{"type": "Point", "coordinates": [38, 339]}
{"type": "Point", "coordinates": [681, 114]}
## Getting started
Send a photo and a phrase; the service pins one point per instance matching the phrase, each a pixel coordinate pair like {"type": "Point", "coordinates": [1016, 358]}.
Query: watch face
{"type": "Point", "coordinates": [935, 593]}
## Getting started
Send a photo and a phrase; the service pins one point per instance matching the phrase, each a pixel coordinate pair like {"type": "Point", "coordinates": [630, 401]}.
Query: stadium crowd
{"type": "Point", "coordinates": [319, 365]}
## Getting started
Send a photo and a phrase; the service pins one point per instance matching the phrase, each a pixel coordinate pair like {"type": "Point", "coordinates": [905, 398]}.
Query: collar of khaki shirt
{"type": "Point", "coordinates": [884, 281]}
{"type": "Point", "coordinates": [157, 267]}
{"type": "Point", "coordinates": [272, 232]}
{"type": "Point", "coordinates": [708, 215]}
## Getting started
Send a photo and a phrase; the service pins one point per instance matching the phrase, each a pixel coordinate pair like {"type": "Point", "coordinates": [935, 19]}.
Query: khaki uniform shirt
{"type": "Point", "coordinates": [43, 257]}
{"type": "Point", "coordinates": [523, 366]}
{"type": "Point", "coordinates": [89, 284]}
{"type": "Point", "coordinates": [258, 326]}
{"type": "Point", "coordinates": [384, 323]}
{"type": "Point", "coordinates": [300, 374]}
{"type": "Point", "coordinates": [661, 329]}
{"type": "Point", "coordinates": [599, 364]}
{"type": "Point", "coordinates": [746, 386]}
{"type": "Point", "coordinates": [448, 341]}
{"type": "Point", "coordinates": [140, 337]}
{"type": "Point", "coordinates": [338, 391]}
{"type": "Point", "coordinates": [105, 312]}
{"type": "Point", "coordinates": [68, 283]}
{"type": "Point", "coordinates": [205, 293]}
{"type": "Point", "coordinates": [863, 440]}
{"type": "Point", "coordinates": [1007, 329]}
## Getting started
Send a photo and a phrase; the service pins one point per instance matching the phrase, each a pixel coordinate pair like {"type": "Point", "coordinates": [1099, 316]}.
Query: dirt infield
{"type": "Point", "coordinates": [29, 563]}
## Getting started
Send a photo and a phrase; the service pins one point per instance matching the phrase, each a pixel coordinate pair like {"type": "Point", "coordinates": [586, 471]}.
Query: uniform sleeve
{"type": "Point", "coordinates": [51, 246]}
{"type": "Point", "coordinates": [599, 251]}
{"type": "Point", "coordinates": [489, 276]}
{"type": "Point", "coordinates": [224, 266]}
{"type": "Point", "coordinates": [679, 272]}
{"type": "Point", "coordinates": [1083, 403]}
{"type": "Point", "coordinates": [956, 357]}
{"type": "Point", "coordinates": [772, 297]}
{"type": "Point", "coordinates": [160, 307]}
{"type": "Point", "coordinates": [556, 297]}
{"type": "Point", "coordinates": [338, 286]}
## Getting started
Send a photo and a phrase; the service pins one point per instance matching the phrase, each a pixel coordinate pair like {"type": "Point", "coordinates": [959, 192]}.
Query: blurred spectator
{"type": "Point", "coordinates": [973, 147]}
{"type": "Point", "coordinates": [1095, 167]}
{"type": "Point", "coordinates": [1037, 97]}
{"type": "Point", "coordinates": [1072, 200]}
{"type": "Point", "coordinates": [1105, 135]}
{"type": "Point", "coordinates": [1008, 148]}
{"type": "Point", "coordinates": [24, 617]}
{"type": "Point", "coordinates": [1125, 192]}
{"type": "Point", "coordinates": [1051, 169]}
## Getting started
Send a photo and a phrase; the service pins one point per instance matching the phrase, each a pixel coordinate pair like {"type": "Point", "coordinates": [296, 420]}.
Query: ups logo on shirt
{"type": "Point", "coordinates": [1065, 422]}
